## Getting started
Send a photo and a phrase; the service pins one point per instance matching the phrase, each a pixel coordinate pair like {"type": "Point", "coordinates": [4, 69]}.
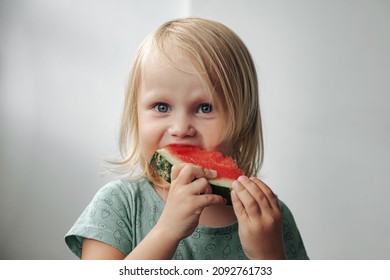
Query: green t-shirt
{"type": "Point", "coordinates": [123, 212]}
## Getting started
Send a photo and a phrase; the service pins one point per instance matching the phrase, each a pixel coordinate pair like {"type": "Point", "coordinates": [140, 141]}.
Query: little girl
{"type": "Point", "coordinates": [193, 82]}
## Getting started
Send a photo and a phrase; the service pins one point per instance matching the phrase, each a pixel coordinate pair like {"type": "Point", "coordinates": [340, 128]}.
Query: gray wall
{"type": "Point", "coordinates": [324, 68]}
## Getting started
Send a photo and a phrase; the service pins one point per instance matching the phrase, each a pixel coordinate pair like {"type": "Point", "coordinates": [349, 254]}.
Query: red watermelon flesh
{"type": "Point", "coordinates": [227, 171]}
{"type": "Point", "coordinates": [225, 166]}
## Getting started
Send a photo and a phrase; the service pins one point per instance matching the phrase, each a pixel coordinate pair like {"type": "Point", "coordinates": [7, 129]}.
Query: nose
{"type": "Point", "coordinates": [181, 126]}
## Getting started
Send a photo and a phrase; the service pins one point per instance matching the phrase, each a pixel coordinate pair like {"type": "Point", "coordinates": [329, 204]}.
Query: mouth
{"type": "Point", "coordinates": [183, 145]}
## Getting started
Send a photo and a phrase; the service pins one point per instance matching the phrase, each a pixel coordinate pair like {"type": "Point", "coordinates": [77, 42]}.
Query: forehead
{"type": "Point", "coordinates": [169, 70]}
{"type": "Point", "coordinates": [160, 60]}
{"type": "Point", "coordinates": [157, 60]}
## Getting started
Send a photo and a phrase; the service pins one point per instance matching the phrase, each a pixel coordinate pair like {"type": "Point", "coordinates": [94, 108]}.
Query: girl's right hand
{"type": "Point", "coordinates": [188, 195]}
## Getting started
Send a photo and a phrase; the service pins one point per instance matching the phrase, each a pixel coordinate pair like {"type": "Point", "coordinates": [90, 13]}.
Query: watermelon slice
{"type": "Point", "coordinates": [227, 171]}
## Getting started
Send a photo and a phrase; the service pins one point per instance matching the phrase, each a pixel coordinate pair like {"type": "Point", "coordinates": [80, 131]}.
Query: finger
{"type": "Point", "coordinates": [176, 169]}
{"type": "Point", "coordinates": [185, 173]}
{"type": "Point", "coordinates": [190, 172]}
{"type": "Point", "coordinates": [248, 201]}
{"type": "Point", "coordinates": [238, 207]}
{"type": "Point", "coordinates": [206, 200]}
{"type": "Point", "coordinates": [193, 178]}
{"type": "Point", "coordinates": [200, 186]}
{"type": "Point", "coordinates": [272, 198]}
{"type": "Point", "coordinates": [253, 187]}
{"type": "Point", "coordinates": [210, 174]}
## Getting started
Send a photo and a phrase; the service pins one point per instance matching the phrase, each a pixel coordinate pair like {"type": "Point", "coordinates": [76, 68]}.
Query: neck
{"type": "Point", "coordinates": [217, 216]}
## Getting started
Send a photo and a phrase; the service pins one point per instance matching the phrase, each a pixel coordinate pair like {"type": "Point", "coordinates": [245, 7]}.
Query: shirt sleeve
{"type": "Point", "coordinates": [293, 243]}
{"type": "Point", "coordinates": [104, 219]}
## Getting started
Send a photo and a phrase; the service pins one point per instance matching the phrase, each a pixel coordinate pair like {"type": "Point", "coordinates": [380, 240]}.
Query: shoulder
{"type": "Point", "coordinates": [284, 208]}
{"type": "Point", "coordinates": [121, 192]}
{"type": "Point", "coordinates": [293, 242]}
{"type": "Point", "coordinates": [288, 218]}
{"type": "Point", "coordinates": [123, 187]}
{"type": "Point", "coordinates": [109, 217]}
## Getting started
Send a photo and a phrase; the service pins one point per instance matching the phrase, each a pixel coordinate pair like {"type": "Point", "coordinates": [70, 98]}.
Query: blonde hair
{"type": "Point", "coordinates": [225, 67]}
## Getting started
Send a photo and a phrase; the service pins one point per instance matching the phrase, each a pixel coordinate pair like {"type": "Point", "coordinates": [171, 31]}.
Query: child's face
{"type": "Point", "coordinates": [175, 108]}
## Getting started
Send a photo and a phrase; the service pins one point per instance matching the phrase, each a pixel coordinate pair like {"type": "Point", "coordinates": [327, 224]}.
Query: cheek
{"type": "Point", "coordinates": [146, 145]}
{"type": "Point", "coordinates": [145, 152]}
{"type": "Point", "coordinates": [213, 139]}
{"type": "Point", "coordinates": [148, 137]}
{"type": "Point", "coordinates": [218, 138]}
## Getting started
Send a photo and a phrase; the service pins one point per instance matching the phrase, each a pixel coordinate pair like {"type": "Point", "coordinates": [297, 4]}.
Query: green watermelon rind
{"type": "Point", "coordinates": [162, 162]}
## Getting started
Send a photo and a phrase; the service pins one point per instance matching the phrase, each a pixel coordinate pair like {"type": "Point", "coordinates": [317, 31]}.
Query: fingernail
{"type": "Point", "coordinates": [212, 173]}
{"type": "Point", "coordinates": [236, 184]}
{"type": "Point", "coordinates": [242, 178]}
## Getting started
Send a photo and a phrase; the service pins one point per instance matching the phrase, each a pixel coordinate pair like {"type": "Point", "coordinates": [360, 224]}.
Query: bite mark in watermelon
{"type": "Point", "coordinates": [227, 171]}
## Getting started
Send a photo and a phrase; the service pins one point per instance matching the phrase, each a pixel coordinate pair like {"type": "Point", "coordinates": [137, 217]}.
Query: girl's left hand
{"type": "Point", "coordinates": [259, 219]}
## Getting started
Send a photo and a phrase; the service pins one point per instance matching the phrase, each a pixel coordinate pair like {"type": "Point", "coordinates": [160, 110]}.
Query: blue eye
{"type": "Point", "coordinates": [161, 108]}
{"type": "Point", "coordinates": [205, 108]}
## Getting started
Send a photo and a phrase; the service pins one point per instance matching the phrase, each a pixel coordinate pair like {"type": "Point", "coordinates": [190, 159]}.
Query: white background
{"type": "Point", "coordinates": [323, 67]}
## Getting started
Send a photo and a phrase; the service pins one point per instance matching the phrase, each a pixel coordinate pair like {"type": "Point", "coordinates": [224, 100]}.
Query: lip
{"type": "Point", "coordinates": [183, 144]}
